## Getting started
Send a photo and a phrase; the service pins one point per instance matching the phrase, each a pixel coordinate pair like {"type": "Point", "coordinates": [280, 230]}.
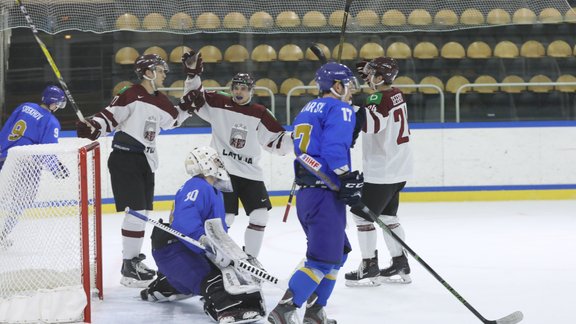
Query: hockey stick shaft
{"type": "Point", "coordinates": [51, 63]}
{"type": "Point", "coordinates": [289, 203]}
{"type": "Point", "coordinates": [316, 50]}
{"type": "Point", "coordinates": [343, 29]}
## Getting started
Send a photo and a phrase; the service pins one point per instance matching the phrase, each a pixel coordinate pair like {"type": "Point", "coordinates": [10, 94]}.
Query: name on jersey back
{"type": "Point", "coordinates": [32, 112]}
{"type": "Point", "coordinates": [314, 107]}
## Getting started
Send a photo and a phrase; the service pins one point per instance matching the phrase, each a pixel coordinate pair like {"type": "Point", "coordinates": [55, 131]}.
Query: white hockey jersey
{"type": "Point", "coordinates": [386, 150]}
{"type": "Point", "coordinates": [140, 115]}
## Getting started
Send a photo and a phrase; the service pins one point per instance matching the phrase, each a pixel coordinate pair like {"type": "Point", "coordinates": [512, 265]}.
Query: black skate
{"type": "Point", "coordinates": [285, 312]}
{"type": "Point", "coordinates": [315, 313]}
{"type": "Point", "coordinates": [239, 315]}
{"type": "Point", "coordinates": [135, 273]}
{"type": "Point", "coordinates": [397, 272]}
{"type": "Point", "coordinates": [367, 274]}
{"type": "Point", "coordinates": [160, 290]}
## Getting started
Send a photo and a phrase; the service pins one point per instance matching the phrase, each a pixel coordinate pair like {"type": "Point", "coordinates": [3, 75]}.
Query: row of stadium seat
{"type": "Point", "coordinates": [363, 18]}
{"type": "Point", "coordinates": [399, 50]}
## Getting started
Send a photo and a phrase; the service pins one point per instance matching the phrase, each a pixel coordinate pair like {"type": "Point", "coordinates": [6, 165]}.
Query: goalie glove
{"type": "Point", "coordinates": [193, 64]}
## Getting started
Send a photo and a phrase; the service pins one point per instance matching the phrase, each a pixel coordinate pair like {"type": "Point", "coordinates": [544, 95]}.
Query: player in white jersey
{"type": "Point", "coordinates": [240, 129]}
{"type": "Point", "coordinates": [387, 163]}
{"type": "Point", "coordinates": [137, 114]}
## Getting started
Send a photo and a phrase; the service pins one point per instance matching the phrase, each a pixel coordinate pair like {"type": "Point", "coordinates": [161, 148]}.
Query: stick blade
{"type": "Point", "coordinates": [511, 319]}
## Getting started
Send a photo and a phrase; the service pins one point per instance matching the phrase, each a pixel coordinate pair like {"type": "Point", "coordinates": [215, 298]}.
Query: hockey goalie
{"type": "Point", "coordinates": [185, 270]}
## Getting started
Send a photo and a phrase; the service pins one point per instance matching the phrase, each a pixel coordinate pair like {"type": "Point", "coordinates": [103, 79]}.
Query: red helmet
{"type": "Point", "coordinates": [384, 66]}
{"type": "Point", "coordinates": [148, 62]}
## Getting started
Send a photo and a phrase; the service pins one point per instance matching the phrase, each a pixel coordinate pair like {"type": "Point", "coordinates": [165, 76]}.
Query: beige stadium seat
{"type": "Point", "coordinates": [314, 19]}
{"type": "Point", "coordinates": [456, 82]}
{"type": "Point", "coordinates": [177, 93]}
{"type": "Point", "coordinates": [524, 16]}
{"type": "Point", "coordinates": [393, 18]}
{"type": "Point", "coordinates": [181, 21]}
{"type": "Point", "coordinates": [419, 17]}
{"type": "Point", "coordinates": [154, 21]}
{"type": "Point", "coordinates": [431, 80]}
{"type": "Point", "coordinates": [472, 17]}
{"type": "Point", "coordinates": [126, 55]}
{"type": "Point", "coordinates": [399, 50]}
{"type": "Point", "coordinates": [404, 80]}
{"type": "Point", "coordinates": [512, 89]}
{"type": "Point", "coordinates": [312, 57]}
{"type": "Point", "coordinates": [453, 50]}
{"type": "Point", "coordinates": [234, 20]}
{"type": "Point", "coordinates": [157, 50]}
{"type": "Point", "coordinates": [446, 17]}
{"type": "Point", "coordinates": [266, 83]}
{"type": "Point", "coordinates": [370, 51]}
{"type": "Point", "coordinates": [540, 88]}
{"type": "Point", "coordinates": [290, 53]}
{"type": "Point", "coordinates": [290, 83]}
{"type": "Point", "coordinates": [176, 54]}
{"type": "Point", "coordinates": [485, 79]}
{"type": "Point", "coordinates": [559, 48]}
{"type": "Point", "coordinates": [566, 88]}
{"type": "Point", "coordinates": [314, 91]}
{"type": "Point", "coordinates": [506, 49]}
{"type": "Point", "coordinates": [498, 17]}
{"type": "Point", "coordinates": [211, 54]}
{"type": "Point", "coordinates": [210, 83]}
{"type": "Point", "coordinates": [208, 20]}
{"type": "Point", "coordinates": [532, 49]}
{"type": "Point", "coordinates": [550, 16]}
{"type": "Point", "coordinates": [261, 20]}
{"type": "Point", "coordinates": [236, 53]}
{"type": "Point", "coordinates": [367, 18]}
{"type": "Point", "coordinates": [337, 17]}
{"type": "Point", "coordinates": [348, 52]}
{"type": "Point", "coordinates": [127, 22]}
{"type": "Point", "coordinates": [264, 53]}
{"type": "Point", "coordinates": [479, 50]}
{"type": "Point", "coordinates": [287, 19]}
{"type": "Point", "coordinates": [570, 15]}
{"type": "Point", "coordinates": [425, 50]}
{"type": "Point", "coordinates": [121, 85]}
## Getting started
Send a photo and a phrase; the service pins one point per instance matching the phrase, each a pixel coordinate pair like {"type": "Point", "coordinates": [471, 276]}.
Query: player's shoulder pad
{"type": "Point", "coordinates": [124, 89]}
{"type": "Point", "coordinates": [374, 98]}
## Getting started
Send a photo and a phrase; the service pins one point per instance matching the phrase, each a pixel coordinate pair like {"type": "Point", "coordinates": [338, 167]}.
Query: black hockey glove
{"type": "Point", "coordinates": [192, 100]}
{"type": "Point", "coordinates": [360, 69]}
{"type": "Point", "coordinates": [193, 64]}
{"type": "Point", "coordinates": [351, 184]}
{"type": "Point", "coordinates": [83, 130]}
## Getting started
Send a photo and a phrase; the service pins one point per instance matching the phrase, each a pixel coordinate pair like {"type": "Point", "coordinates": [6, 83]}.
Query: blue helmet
{"type": "Point", "coordinates": [54, 95]}
{"type": "Point", "coordinates": [331, 72]}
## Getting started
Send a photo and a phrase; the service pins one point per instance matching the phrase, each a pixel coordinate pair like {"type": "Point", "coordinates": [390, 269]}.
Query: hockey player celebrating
{"type": "Point", "coordinates": [387, 165]}
{"type": "Point", "coordinates": [322, 130]}
{"type": "Point", "coordinates": [187, 269]}
{"type": "Point", "coordinates": [137, 114]}
{"type": "Point", "coordinates": [240, 129]}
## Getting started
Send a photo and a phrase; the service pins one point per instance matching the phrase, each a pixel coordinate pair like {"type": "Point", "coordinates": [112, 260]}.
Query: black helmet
{"type": "Point", "coordinates": [243, 78]}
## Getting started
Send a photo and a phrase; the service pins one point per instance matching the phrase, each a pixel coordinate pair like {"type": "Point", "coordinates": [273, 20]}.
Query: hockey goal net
{"type": "Point", "coordinates": [50, 249]}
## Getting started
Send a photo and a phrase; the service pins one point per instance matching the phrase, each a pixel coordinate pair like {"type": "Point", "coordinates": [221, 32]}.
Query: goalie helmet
{"type": "Point", "coordinates": [148, 62]}
{"type": "Point", "coordinates": [386, 67]}
{"type": "Point", "coordinates": [54, 95]}
{"type": "Point", "coordinates": [205, 161]}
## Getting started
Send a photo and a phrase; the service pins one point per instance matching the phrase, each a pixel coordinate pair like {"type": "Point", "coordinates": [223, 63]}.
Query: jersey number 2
{"type": "Point", "coordinates": [400, 116]}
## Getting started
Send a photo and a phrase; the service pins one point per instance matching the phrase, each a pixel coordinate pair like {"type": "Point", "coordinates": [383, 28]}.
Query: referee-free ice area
{"type": "Point", "coordinates": [500, 256]}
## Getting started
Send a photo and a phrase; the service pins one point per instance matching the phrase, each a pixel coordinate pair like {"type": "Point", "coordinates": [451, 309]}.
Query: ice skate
{"type": "Point", "coordinates": [285, 312]}
{"type": "Point", "coordinates": [239, 316]}
{"type": "Point", "coordinates": [135, 274]}
{"type": "Point", "coordinates": [397, 272]}
{"type": "Point", "coordinates": [367, 274]}
{"type": "Point", "coordinates": [161, 291]}
{"type": "Point", "coordinates": [315, 313]}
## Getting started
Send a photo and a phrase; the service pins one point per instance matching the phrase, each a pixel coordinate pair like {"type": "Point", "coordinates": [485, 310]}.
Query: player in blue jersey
{"type": "Point", "coordinates": [184, 269]}
{"type": "Point", "coordinates": [323, 131]}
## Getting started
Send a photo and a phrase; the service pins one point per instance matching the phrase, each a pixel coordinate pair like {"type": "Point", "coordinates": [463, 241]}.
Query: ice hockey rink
{"type": "Point", "coordinates": [500, 256]}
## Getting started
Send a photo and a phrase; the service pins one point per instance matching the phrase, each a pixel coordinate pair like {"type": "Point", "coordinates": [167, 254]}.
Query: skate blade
{"type": "Point", "coordinates": [133, 283]}
{"type": "Point", "coordinates": [366, 282]}
{"type": "Point", "coordinates": [400, 278]}
{"type": "Point", "coordinates": [249, 320]}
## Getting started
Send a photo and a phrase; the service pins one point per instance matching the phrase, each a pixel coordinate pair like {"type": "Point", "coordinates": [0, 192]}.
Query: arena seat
{"type": "Point", "coordinates": [176, 54]}
{"type": "Point", "coordinates": [425, 50]}
{"type": "Point", "coordinates": [524, 16]}
{"type": "Point", "coordinates": [290, 83]}
{"type": "Point", "coordinates": [181, 21]}
{"type": "Point", "coordinates": [121, 85]}
{"type": "Point", "coordinates": [261, 20]}
{"type": "Point", "coordinates": [404, 80]}
{"type": "Point", "coordinates": [234, 20]}
{"type": "Point", "coordinates": [157, 50]}
{"type": "Point", "coordinates": [211, 54]}
{"type": "Point", "coordinates": [312, 57]}
{"type": "Point", "coordinates": [264, 53]}
{"type": "Point", "coordinates": [540, 88]}
{"type": "Point", "coordinates": [176, 93]}
{"type": "Point", "coordinates": [570, 15]}
{"type": "Point", "coordinates": [431, 80]}
{"type": "Point", "coordinates": [371, 51]}
{"type": "Point", "coordinates": [208, 20]}
{"type": "Point", "coordinates": [419, 17]}
{"type": "Point", "coordinates": [236, 53]}
{"type": "Point", "coordinates": [446, 17]}
{"type": "Point", "coordinates": [314, 19]}
{"type": "Point", "coordinates": [479, 50]}
{"type": "Point", "coordinates": [532, 49]}
{"type": "Point", "coordinates": [399, 50]}
{"type": "Point", "coordinates": [154, 21]}
{"type": "Point", "coordinates": [314, 91]}
{"type": "Point", "coordinates": [559, 48]}
{"type": "Point", "coordinates": [348, 52]}
{"type": "Point", "coordinates": [210, 83]}
{"type": "Point", "coordinates": [472, 17]}
{"type": "Point", "coordinates": [367, 18]}
{"type": "Point", "coordinates": [453, 50]}
{"type": "Point", "coordinates": [512, 89]}
{"type": "Point", "coordinates": [290, 53]}
{"type": "Point", "coordinates": [485, 79]}
{"type": "Point", "coordinates": [506, 49]}
{"type": "Point", "coordinates": [128, 22]}
{"type": "Point", "coordinates": [566, 88]}
{"type": "Point", "coordinates": [456, 82]}
{"type": "Point", "coordinates": [126, 55]}
{"type": "Point", "coordinates": [393, 18]}
{"type": "Point", "coordinates": [498, 17]}
{"type": "Point", "coordinates": [287, 19]}
{"type": "Point", "coordinates": [266, 83]}
{"type": "Point", "coordinates": [337, 17]}
{"type": "Point", "coordinates": [550, 16]}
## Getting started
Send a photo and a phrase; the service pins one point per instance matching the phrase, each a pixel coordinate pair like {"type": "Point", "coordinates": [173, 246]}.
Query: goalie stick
{"type": "Point", "coordinates": [313, 166]}
{"type": "Point", "coordinates": [238, 264]}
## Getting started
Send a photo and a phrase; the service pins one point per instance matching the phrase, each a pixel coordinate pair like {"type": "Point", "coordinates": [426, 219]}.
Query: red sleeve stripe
{"type": "Point", "coordinates": [375, 121]}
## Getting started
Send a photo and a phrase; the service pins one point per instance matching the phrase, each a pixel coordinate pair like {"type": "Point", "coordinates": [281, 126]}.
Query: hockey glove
{"type": "Point", "coordinates": [360, 69]}
{"type": "Point", "coordinates": [217, 257]}
{"type": "Point", "coordinates": [360, 121]}
{"type": "Point", "coordinates": [351, 184]}
{"type": "Point", "coordinates": [83, 130]}
{"type": "Point", "coordinates": [193, 64]}
{"type": "Point", "coordinates": [192, 101]}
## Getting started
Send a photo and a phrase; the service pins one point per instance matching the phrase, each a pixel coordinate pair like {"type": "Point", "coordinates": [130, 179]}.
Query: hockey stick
{"type": "Point", "coordinates": [289, 204]}
{"type": "Point", "coordinates": [313, 166]}
{"type": "Point", "coordinates": [52, 64]}
{"type": "Point", "coordinates": [238, 264]}
{"type": "Point", "coordinates": [316, 50]}
{"type": "Point", "coordinates": [343, 29]}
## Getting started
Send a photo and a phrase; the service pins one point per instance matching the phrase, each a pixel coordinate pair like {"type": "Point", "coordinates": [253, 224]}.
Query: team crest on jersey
{"type": "Point", "coordinates": [238, 136]}
{"type": "Point", "coordinates": [150, 129]}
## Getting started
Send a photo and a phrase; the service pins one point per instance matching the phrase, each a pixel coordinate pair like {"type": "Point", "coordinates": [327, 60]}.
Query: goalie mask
{"type": "Point", "coordinates": [54, 95]}
{"type": "Point", "coordinates": [204, 161]}
{"type": "Point", "coordinates": [242, 88]}
{"type": "Point", "coordinates": [386, 67]}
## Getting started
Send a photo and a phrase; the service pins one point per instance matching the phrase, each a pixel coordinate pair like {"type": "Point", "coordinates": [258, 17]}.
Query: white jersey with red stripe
{"type": "Point", "coordinates": [386, 149]}
{"type": "Point", "coordinates": [140, 115]}
{"type": "Point", "coordinates": [239, 132]}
